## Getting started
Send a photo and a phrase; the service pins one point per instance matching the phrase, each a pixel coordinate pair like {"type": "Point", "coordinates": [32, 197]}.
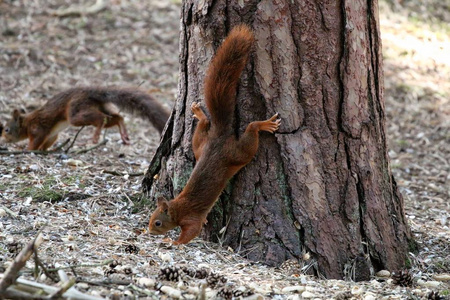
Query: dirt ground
{"type": "Point", "coordinates": [90, 204]}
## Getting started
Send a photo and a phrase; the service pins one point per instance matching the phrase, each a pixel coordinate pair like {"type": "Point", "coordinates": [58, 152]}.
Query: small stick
{"type": "Point", "coordinates": [19, 262]}
{"type": "Point", "coordinates": [13, 293]}
{"type": "Point", "coordinates": [91, 148]}
{"type": "Point", "coordinates": [106, 262]}
{"type": "Point", "coordinates": [141, 290]}
{"type": "Point", "coordinates": [66, 284]}
{"type": "Point", "coordinates": [117, 173]}
{"type": "Point", "coordinates": [23, 288]}
{"type": "Point", "coordinates": [39, 263]}
{"type": "Point", "coordinates": [80, 11]}
{"type": "Point", "coordinates": [9, 212]}
{"type": "Point", "coordinates": [74, 139]}
{"type": "Point", "coordinates": [37, 152]}
{"type": "Point", "coordinates": [107, 282]}
{"type": "Point", "coordinates": [217, 253]}
{"type": "Point", "coordinates": [60, 146]}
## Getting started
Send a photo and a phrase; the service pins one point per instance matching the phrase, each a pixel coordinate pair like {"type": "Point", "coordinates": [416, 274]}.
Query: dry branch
{"type": "Point", "coordinates": [43, 152]}
{"type": "Point", "coordinates": [9, 212]}
{"type": "Point", "coordinates": [71, 267]}
{"type": "Point", "coordinates": [23, 289]}
{"type": "Point", "coordinates": [19, 262]}
{"type": "Point", "coordinates": [90, 148]}
{"type": "Point", "coordinates": [117, 173]}
{"type": "Point", "coordinates": [74, 139]}
{"type": "Point", "coordinates": [80, 11]}
{"type": "Point", "coordinates": [65, 285]}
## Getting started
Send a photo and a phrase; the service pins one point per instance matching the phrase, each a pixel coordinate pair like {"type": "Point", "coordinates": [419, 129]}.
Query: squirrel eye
{"type": "Point", "coordinates": [7, 129]}
{"type": "Point", "coordinates": [158, 223]}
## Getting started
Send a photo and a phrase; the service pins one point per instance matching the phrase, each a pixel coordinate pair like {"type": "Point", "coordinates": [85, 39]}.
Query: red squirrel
{"type": "Point", "coordinates": [217, 150]}
{"type": "Point", "coordinates": [82, 106]}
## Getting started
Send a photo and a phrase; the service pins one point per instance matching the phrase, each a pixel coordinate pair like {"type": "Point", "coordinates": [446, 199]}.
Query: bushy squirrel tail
{"type": "Point", "coordinates": [223, 75]}
{"type": "Point", "coordinates": [134, 101]}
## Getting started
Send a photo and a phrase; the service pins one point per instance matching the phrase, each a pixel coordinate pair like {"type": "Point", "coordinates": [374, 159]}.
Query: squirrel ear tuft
{"type": "Point", "coordinates": [163, 204]}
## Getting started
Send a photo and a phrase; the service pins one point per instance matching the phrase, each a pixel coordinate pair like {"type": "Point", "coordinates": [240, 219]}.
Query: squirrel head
{"type": "Point", "coordinates": [12, 130]}
{"type": "Point", "coordinates": [160, 221]}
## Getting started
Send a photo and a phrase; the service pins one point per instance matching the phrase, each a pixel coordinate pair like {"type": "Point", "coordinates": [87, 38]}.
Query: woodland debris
{"type": "Point", "coordinates": [19, 262]}
{"type": "Point", "coordinates": [32, 287]}
{"type": "Point", "coordinates": [80, 11]}
{"type": "Point", "coordinates": [442, 277]}
{"type": "Point", "coordinates": [383, 274]}
{"type": "Point", "coordinates": [170, 291]}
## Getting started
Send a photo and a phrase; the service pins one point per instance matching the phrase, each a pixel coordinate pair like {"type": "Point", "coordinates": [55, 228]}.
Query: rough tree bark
{"type": "Point", "coordinates": [322, 184]}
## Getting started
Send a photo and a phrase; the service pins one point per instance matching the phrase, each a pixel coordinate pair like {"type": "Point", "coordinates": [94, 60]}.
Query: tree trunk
{"type": "Point", "coordinates": [322, 185]}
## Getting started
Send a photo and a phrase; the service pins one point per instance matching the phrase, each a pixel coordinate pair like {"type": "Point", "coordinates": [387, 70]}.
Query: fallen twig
{"type": "Point", "coordinates": [24, 289]}
{"type": "Point", "coordinates": [107, 282]}
{"type": "Point", "coordinates": [19, 262]}
{"type": "Point", "coordinates": [90, 148]}
{"type": "Point", "coordinates": [66, 284]}
{"type": "Point", "coordinates": [9, 212]}
{"type": "Point", "coordinates": [80, 11]}
{"type": "Point", "coordinates": [106, 262]}
{"type": "Point", "coordinates": [141, 290]}
{"type": "Point", "coordinates": [39, 263]}
{"type": "Point", "coordinates": [117, 173]}
{"type": "Point", "coordinates": [74, 139]}
{"type": "Point", "coordinates": [42, 152]}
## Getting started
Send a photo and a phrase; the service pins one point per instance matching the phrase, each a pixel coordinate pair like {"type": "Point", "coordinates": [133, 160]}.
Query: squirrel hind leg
{"type": "Point", "coordinates": [91, 116]}
{"type": "Point", "coordinates": [271, 125]}
{"type": "Point", "coordinates": [201, 131]}
{"type": "Point", "coordinates": [117, 120]}
{"type": "Point", "coordinates": [247, 144]}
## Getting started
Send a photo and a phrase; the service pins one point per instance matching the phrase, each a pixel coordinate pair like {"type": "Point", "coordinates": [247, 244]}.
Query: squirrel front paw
{"type": "Point", "coordinates": [197, 110]}
{"type": "Point", "coordinates": [271, 125]}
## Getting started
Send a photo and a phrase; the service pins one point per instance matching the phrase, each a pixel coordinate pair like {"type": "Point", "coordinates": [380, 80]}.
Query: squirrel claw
{"type": "Point", "coordinates": [195, 108]}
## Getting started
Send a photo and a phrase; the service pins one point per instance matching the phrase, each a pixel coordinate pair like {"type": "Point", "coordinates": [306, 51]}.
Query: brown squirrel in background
{"type": "Point", "coordinates": [82, 106]}
{"type": "Point", "coordinates": [219, 154]}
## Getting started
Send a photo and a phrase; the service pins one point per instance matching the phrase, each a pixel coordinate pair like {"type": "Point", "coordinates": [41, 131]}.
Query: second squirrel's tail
{"type": "Point", "coordinates": [223, 75]}
{"type": "Point", "coordinates": [134, 101]}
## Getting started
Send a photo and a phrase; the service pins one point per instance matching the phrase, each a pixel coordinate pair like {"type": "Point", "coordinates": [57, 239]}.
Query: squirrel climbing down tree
{"type": "Point", "coordinates": [219, 154]}
{"type": "Point", "coordinates": [82, 106]}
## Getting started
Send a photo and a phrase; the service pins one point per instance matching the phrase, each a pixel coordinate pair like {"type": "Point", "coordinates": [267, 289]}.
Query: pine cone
{"type": "Point", "coordinates": [290, 267]}
{"type": "Point", "coordinates": [192, 272]}
{"type": "Point", "coordinates": [131, 249]}
{"type": "Point", "coordinates": [344, 295]}
{"type": "Point", "coordinates": [225, 292]}
{"type": "Point", "coordinates": [214, 280]}
{"type": "Point", "coordinates": [402, 278]}
{"type": "Point", "coordinates": [243, 294]}
{"type": "Point", "coordinates": [435, 296]}
{"type": "Point", "coordinates": [14, 248]}
{"type": "Point", "coordinates": [169, 273]}
{"type": "Point", "coordinates": [113, 264]}
{"type": "Point", "coordinates": [112, 268]}
{"type": "Point", "coordinates": [108, 272]}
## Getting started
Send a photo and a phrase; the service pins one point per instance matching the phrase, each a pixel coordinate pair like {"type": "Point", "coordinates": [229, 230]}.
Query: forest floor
{"type": "Point", "coordinates": [91, 203]}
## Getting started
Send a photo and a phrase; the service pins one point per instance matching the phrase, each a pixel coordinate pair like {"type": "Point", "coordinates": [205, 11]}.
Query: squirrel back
{"type": "Point", "coordinates": [82, 106]}
{"type": "Point", "coordinates": [223, 76]}
{"type": "Point", "coordinates": [131, 100]}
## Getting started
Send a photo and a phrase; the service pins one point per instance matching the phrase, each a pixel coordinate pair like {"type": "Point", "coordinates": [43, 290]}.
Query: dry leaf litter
{"type": "Point", "coordinates": [91, 205]}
